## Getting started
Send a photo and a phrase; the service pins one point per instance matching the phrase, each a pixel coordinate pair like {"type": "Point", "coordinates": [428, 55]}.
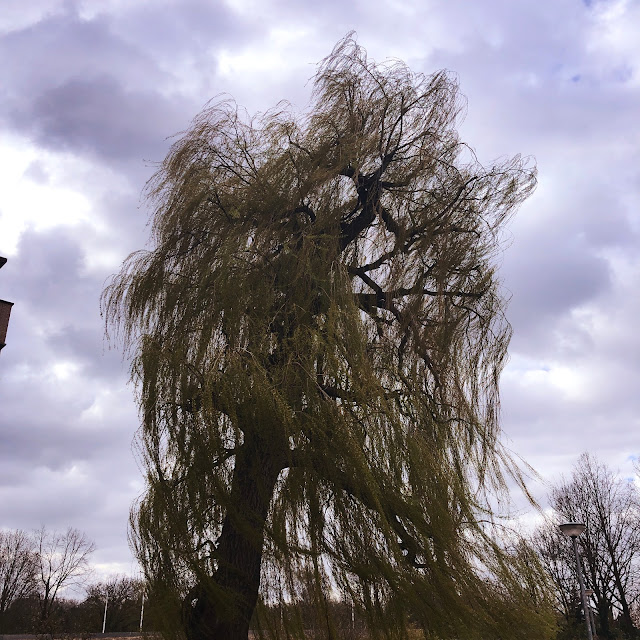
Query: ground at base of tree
{"type": "Point", "coordinates": [132, 635]}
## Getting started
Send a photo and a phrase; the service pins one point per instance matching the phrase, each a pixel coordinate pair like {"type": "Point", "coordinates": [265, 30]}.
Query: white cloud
{"type": "Point", "coordinates": [28, 203]}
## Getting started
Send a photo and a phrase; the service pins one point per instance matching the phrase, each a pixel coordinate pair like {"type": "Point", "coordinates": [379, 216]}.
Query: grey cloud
{"type": "Point", "coordinates": [64, 46]}
{"type": "Point", "coordinates": [56, 312]}
{"type": "Point", "coordinates": [98, 116]}
{"type": "Point", "coordinates": [551, 275]}
{"type": "Point", "coordinates": [47, 419]}
{"type": "Point", "coordinates": [75, 85]}
{"type": "Point", "coordinates": [95, 502]}
{"type": "Point", "coordinates": [553, 429]}
{"type": "Point", "coordinates": [47, 277]}
{"type": "Point", "coordinates": [58, 440]}
{"type": "Point", "coordinates": [186, 28]}
{"type": "Point", "coordinates": [87, 347]}
{"type": "Point", "coordinates": [57, 469]}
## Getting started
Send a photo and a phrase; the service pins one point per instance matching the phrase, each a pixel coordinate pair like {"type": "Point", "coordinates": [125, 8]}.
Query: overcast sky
{"type": "Point", "coordinates": [90, 92]}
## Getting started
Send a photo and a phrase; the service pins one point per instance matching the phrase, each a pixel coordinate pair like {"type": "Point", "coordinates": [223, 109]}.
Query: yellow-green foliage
{"type": "Point", "coordinates": [328, 281]}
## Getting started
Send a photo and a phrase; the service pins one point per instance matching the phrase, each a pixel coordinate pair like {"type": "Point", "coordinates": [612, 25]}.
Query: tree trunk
{"type": "Point", "coordinates": [603, 619]}
{"type": "Point", "coordinates": [627, 621]}
{"type": "Point", "coordinates": [223, 610]}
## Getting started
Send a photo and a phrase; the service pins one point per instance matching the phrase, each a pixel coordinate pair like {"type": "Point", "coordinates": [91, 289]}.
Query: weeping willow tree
{"type": "Point", "coordinates": [318, 334]}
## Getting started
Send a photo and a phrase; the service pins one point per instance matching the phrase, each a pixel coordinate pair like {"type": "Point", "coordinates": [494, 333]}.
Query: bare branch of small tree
{"type": "Point", "coordinates": [17, 568]}
{"type": "Point", "coordinates": [63, 561]}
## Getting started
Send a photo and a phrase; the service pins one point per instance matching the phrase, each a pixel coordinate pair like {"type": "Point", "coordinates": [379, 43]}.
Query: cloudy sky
{"type": "Point", "coordinates": [90, 92]}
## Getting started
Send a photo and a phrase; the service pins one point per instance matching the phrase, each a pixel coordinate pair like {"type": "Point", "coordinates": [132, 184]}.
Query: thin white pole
{"type": "Point", "coordinates": [104, 620]}
{"type": "Point", "coordinates": [582, 593]}
{"type": "Point", "coordinates": [142, 610]}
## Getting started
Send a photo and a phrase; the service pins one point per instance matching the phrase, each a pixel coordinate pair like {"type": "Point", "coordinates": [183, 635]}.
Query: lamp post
{"type": "Point", "coordinates": [589, 593]}
{"type": "Point", "coordinates": [573, 530]}
{"type": "Point", "coordinates": [142, 611]}
{"type": "Point", "coordinates": [106, 602]}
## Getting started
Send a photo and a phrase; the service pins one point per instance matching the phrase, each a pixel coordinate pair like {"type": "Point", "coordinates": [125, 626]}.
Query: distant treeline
{"type": "Point", "coordinates": [37, 568]}
{"type": "Point", "coordinates": [82, 617]}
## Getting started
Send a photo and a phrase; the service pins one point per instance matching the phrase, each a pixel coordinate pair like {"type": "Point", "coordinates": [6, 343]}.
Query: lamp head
{"type": "Point", "coordinates": [572, 529]}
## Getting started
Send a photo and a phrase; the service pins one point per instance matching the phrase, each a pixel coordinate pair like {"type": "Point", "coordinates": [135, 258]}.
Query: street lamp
{"type": "Point", "coordinates": [573, 530]}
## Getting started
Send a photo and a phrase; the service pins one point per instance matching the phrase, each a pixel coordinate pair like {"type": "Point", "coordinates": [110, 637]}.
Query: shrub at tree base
{"type": "Point", "coordinates": [318, 335]}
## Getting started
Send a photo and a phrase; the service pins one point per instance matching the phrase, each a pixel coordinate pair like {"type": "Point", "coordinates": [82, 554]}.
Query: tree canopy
{"type": "Point", "coordinates": [318, 333]}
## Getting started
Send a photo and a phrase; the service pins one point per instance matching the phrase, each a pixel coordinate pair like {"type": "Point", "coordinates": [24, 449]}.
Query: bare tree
{"type": "Point", "coordinates": [63, 561]}
{"type": "Point", "coordinates": [557, 558]}
{"type": "Point", "coordinates": [17, 568]}
{"type": "Point", "coordinates": [610, 545]}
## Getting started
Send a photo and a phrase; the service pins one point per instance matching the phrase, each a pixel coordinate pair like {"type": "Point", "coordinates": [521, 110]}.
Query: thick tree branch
{"type": "Point", "coordinates": [381, 300]}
